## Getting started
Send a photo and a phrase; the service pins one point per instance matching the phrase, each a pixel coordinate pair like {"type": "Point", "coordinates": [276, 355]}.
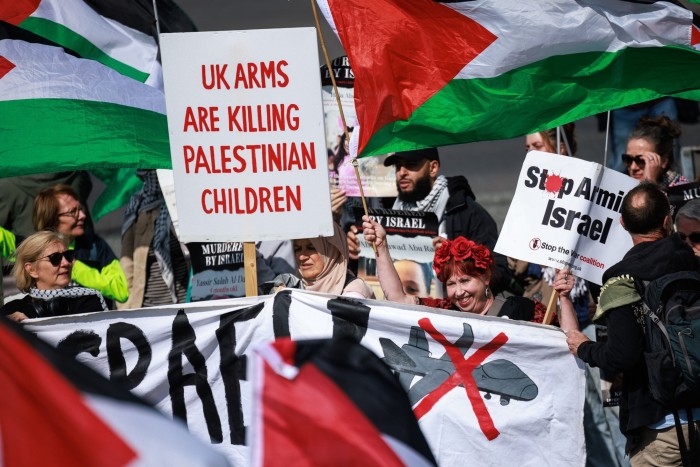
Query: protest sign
{"type": "Point", "coordinates": [410, 239]}
{"type": "Point", "coordinates": [681, 194]}
{"type": "Point", "coordinates": [481, 387]}
{"type": "Point", "coordinates": [566, 213]}
{"type": "Point", "coordinates": [217, 270]}
{"type": "Point", "coordinates": [377, 180]}
{"type": "Point", "coordinates": [246, 134]}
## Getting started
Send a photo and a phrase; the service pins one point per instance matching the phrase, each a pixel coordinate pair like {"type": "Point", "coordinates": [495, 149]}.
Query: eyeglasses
{"type": "Point", "coordinates": [55, 258]}
{"type": "Point", "coordinates": [74, 213]}
{"type": "Point", "coordinates": [693, 236]}
{"type": "Point", "coordinates": [628, 159]}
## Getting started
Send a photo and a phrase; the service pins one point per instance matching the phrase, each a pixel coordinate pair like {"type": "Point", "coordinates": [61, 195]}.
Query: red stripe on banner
{"type": "Point", "coordinates": [44, 420]}
{"type": "Point", "coordinates": [16, 11]}
{"type": "Point", "coordinates": [5, 66]}
{"type": "Point", "coordinates": [310, 421]}
{"type": "Point", "coordinates": [402, 53]}
{"type": "Point", "coordinates": [462, 375]}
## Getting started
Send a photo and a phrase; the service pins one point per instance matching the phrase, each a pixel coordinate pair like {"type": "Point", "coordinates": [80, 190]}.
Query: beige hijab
{"type": "Point", "coordinates": [334, 252]}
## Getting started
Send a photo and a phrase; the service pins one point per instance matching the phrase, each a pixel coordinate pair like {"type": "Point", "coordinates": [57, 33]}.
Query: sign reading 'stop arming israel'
{"type": "Point", "coordinates": [566, 213]}
{"type": "Point", "coordinates": [482, 388]}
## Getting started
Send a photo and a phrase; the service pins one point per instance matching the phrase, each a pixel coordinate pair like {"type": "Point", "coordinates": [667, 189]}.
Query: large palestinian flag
{"type": "Point", "coordinates": [431, 74]}
{"type": "Point", "coordinates": [118, 35]}
{"type": "Point", "coordinates": [67, 113]}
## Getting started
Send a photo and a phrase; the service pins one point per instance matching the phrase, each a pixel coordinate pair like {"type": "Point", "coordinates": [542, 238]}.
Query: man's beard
{"type": "Point", "coordinates": [420, 191]}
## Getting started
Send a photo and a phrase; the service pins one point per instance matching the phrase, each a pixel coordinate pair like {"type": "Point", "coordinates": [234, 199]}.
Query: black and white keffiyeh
{"type": "Point", "coordinates": [68, 292]}
{"type": "Point", "coordinates": [150, 197]}
{"type": "Point", "coordinates": [434, 202]}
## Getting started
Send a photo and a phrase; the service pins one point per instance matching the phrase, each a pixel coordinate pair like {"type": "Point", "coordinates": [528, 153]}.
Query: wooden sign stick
{"type": "Point", "coordinates": [551, 307]}
{"type": "Point", "coordinates": [251, 269]}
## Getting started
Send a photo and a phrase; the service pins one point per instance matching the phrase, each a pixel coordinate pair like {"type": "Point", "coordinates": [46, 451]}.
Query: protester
{"type": "Point", "coordinates": [688, 224]}
{"type": "Point", "coordinates": [645, 214]}
{"type": "Point", "coordinates": [605, 443]}
{"type": "Point", "coordinates": [649, 154]}
{"type": "Point", "coordinates": [42, 269]}
{"type": "Point", "coordinates": [421, 188]}
{"type": "Point", "coordinates": [57, 208]}
{"type": "Point", "coordinates": [546, 141]}
{"type": "Point", "coordinates": [465, 269]}
{"type": "Point", "coordinates": [322, 265]}
{"type": "Point", "coordinates": [623, 121]}
{"type": "Point", "coordinates": [152, 257]}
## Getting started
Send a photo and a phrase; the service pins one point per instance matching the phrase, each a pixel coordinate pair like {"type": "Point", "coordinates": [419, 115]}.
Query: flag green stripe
{"type": "Point", "coordinates": [84, 48]}
{"type": "Point", "coordinates": [542, 95]}
{"type": "Point", "coordinates": [52, 135]}
{"type": "Point", "coordinates": [120, 185]}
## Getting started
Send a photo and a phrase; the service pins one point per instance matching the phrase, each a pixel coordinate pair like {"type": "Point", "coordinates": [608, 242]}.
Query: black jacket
{"type": "Point", "coordinates": [624, 349]}
{"type": "Point", "coordinates": [465, 217]}
{"type": "Point", "coordinates": [59, 306]}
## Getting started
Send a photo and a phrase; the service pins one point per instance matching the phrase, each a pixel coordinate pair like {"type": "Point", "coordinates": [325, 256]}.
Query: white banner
{"type": "Point", "coordinates": [246, 128]}
{"type": "Point", "coordinates": [566, 212]}
{"type": "Point", "coordinates": [485, 389]}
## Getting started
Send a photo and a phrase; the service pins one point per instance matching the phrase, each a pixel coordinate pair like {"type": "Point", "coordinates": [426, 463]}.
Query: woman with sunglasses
{"type": "Point", "coordinates": [649, 153]}
{"type": "Point", "coordinates": [96, 266]}
{"type": "Point", "coordinates": [43, 267]}
{"type": "Point", "coordinates": [688, 224]}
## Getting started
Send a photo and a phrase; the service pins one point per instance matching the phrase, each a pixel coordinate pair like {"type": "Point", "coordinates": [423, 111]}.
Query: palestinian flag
{"type": "Point", "coordinates": [68, 113]}
{"type": "Point", "coordinates": [330, 402]}
{"type": "Point", "coordinates": [432, 74]}
{"type": "Point", "coordinates": [56, 411]}
{"type": "Point", "coordinates": [76, 26]}
{"type": "Point", "coordinates": [120, 35]}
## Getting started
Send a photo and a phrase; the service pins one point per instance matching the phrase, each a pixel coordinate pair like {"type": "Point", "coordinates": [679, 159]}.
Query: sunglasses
{"type": "Point", "coordinates": [628, 159]}
{"type": "Point", "coordinates": [55, 258]}
{"type": "Point", "coordinates": [693, 236]}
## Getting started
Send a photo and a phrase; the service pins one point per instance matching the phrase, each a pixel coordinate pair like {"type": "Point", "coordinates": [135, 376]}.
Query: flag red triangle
{"type": "Point", "coordinates": [402, 53]}
{"type": "Point", "coordinates": [5, 66]}
{"type": "Point", "coordinates": [694, 36]}
{"type": "Point", "coordinates": [16, 11]}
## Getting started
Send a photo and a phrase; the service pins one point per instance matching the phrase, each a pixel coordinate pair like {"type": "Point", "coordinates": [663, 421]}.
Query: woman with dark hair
{"type": "Point", "coordinates": [43, 269]}
{"type": "Point", "coordinates": [465, 269]}
{"type": "Point", "coordinates": [649, 153]}
{"type": "Point", "coordinates": [57, 209]}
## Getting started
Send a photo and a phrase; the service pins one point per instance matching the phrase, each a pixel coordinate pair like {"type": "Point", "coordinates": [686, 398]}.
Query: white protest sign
{"type": "Point", "coordinates": [566, 212]}
{"type": "Point", "coordinates": [246, 128]}
{"type": "Point", "coordinates": [481, 387]}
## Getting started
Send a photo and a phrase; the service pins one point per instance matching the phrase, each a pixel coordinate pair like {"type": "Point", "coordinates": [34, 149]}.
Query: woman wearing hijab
{"type": "Point", "coordinates": [322, 266]}
{"type": "Point", "coordinates": [43, 268]}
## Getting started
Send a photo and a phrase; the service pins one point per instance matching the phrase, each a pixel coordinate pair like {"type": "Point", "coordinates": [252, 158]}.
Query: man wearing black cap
{"type": "Point", "coordinates": [421, 188]}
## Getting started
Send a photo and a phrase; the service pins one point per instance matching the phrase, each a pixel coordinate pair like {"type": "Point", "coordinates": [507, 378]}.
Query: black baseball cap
{"type": "Point", "coordinates": [416, 155]}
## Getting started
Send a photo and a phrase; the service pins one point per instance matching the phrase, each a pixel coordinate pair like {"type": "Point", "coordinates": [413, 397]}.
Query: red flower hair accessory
{"type": "Point", "coordinates": [461, 249]}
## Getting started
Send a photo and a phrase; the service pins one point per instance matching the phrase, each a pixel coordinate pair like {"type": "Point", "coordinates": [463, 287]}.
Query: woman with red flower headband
{"type": "Point", "coordinates": [465, 269]}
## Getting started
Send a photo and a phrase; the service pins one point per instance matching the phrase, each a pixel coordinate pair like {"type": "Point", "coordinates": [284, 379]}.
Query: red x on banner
{"type": "Point", "coordinates": [462, 375]}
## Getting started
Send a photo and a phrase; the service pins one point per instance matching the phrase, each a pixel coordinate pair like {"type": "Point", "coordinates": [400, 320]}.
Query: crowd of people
{"type": "Point", "coordinates": [63, 267]}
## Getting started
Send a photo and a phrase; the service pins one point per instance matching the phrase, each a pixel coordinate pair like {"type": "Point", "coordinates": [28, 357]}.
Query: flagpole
{"type": "Point", "coordinates": [340, 108]}
{"type": "Point", "coordinates": [155, 15]}
{"type": "Point", "coordinates": [607, 135]}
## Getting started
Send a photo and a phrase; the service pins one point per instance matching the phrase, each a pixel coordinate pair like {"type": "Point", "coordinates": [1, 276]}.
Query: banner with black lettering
{"type": "Point", "coordinates": [410, 238]}
{"type": "Point", "coordinates": [566, 213]}
{"type": "Point", "coordinates": [482, 388]}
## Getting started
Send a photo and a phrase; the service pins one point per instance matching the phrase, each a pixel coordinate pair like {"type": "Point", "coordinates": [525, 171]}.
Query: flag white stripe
{"type": "Point", "coordinates": [49, 73]}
